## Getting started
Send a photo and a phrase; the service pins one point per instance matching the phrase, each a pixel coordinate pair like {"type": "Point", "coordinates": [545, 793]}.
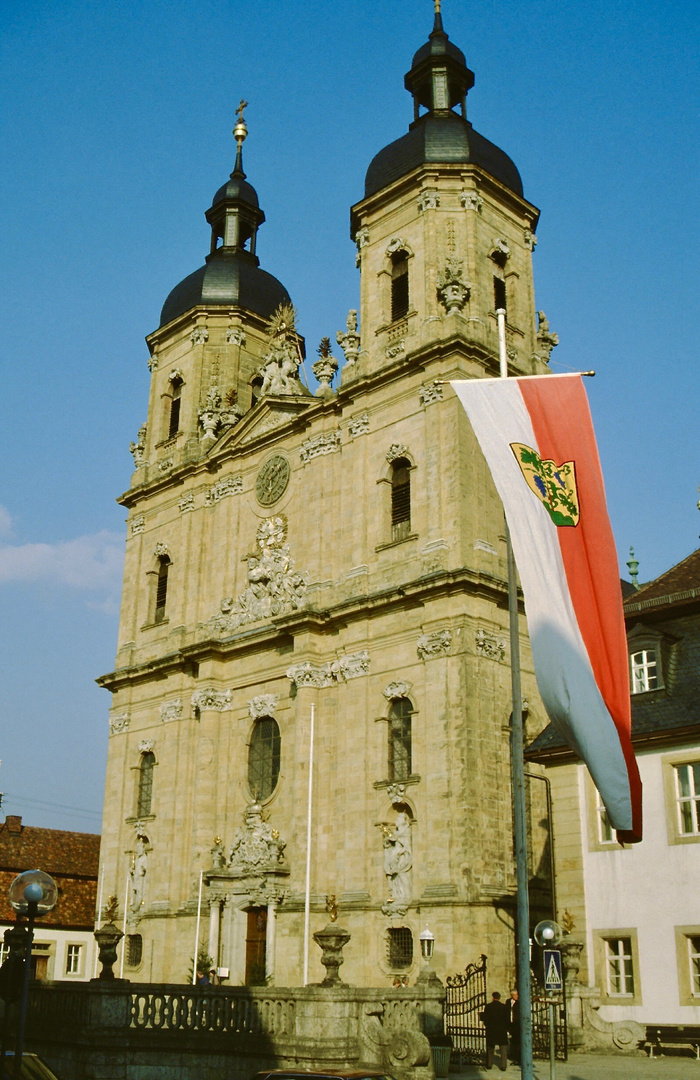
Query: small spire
{"type": "Point", "coordinates": [240, 134]}
{"type": "Point", "coordinates": [437, 25]}
{"type": "Point", "coordinates": [633, 567]}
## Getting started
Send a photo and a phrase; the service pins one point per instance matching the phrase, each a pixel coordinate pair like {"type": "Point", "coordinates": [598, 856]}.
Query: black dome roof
{"type": "Point", "coordinates": [229, 278]}
{"type": "Point", "coordinates": [440, 138]}
{"type": "Point", "coordinates": [236, 187]}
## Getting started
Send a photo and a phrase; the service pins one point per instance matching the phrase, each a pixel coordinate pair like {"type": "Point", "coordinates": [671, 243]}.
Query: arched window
{"type": "Point", "coordinates": [400, 754]}
{"type": "Point", "coordinates": [145, 794]}
{"type": "Point", "coordinates": [400, 499]}
{"type": "Point", "coordinates": [264, 758]}
{"type": "Point", "coordinates": [161, 588]}
{"type": "Point", "coordinates": [255, 390]}
{"type": "Point", "coordinates": [175, 402]}
{"type": "Point", "coordinates": [399, 285]}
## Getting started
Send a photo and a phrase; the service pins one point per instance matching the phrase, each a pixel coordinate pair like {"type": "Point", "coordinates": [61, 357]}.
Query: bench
{"type": "Point", "coordinates": [660, 1035]}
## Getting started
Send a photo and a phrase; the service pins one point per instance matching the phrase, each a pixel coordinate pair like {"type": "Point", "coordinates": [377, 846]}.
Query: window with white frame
{"type": "Point", "coordinates": [74, 954]}
{"type": "Point", "coordinates": [606, 834]}
{"type": "Point", "coordinates": [693, 941]}
{"type": "Point", "coordinates": [4, 952]}
{"type": "Point", "coordinates": [688, 797]}
{"type": "Point", "coordinates": [619, 969]}
{"type": "Point", "coordinates": [644, 671]}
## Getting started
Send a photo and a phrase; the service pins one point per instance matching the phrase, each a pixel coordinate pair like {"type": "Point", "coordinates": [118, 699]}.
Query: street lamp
{"type": "Point", "coordinates": [548, 934]}
{"type": "Point", "coordinates": [32, 893]}
{"type": "Point", "coordinates": [427, 947]}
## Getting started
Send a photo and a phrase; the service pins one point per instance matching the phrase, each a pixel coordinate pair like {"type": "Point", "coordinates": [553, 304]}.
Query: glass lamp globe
{"type": "Point", "coordinates": [427, 944]}
{"type": "Point", "coordinates": [548, 934]}
{"type": "Point", "coordinates": [33, 886]}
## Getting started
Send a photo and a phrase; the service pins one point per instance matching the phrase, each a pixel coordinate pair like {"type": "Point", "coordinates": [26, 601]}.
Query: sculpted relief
{"type": "Point", "coordinates": [274, 586]}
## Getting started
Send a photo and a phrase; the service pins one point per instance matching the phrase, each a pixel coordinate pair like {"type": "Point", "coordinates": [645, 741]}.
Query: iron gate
{"type": "Point", "coordinates": [540, 1027]}
{"type": "Point", "coordinates": [465, 999]}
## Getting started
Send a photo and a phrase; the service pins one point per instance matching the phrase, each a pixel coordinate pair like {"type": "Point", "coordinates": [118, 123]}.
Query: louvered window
{"type": "Point", "coordinates": [399, 287]}
{"type": "Point", "coordinates": [161, 589]}
{"type": "Point", "coordinates": [143, 806]}
{"type": "Point", "coordinates": [400, 500]}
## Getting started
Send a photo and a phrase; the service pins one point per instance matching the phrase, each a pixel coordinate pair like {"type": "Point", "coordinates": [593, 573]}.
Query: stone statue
{"type": "Point", "coordinates": [138, 449]}
{"type": "Point", "coordinates": [218, 859]}
{"type": "Point", "coordinates": [398, 861]}
{"type": "Point", "coordinates": [350, 340]}
{"type": "Point", "coordinates": [256, 846]}
{"type": "Point", "coordinates": [137, 874]}
{"type": "Point", "coordinates": [546, 339]}
{"type": "Point", "coordinates": [280, 368]}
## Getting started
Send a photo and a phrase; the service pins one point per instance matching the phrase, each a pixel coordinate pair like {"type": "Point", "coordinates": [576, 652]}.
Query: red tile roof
{"type": "Point", "coordinates": [72, 860]}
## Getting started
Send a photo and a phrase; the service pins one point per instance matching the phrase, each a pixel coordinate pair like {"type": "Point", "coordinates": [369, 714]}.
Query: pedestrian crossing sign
{"type": "Point", "coordinates": [552, 970]}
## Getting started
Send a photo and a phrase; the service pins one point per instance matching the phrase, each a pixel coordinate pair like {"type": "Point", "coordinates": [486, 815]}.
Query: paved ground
{"type": "Point", "coordinates": [597, 1067]}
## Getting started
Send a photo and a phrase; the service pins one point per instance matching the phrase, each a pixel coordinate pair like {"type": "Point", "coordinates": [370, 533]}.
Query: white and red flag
{"type": "Point", "coordinates": [537, 437]}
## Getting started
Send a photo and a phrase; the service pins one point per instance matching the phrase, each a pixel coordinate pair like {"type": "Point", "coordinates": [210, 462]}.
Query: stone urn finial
{"type": "Point", "coordinates": [331, 941]}
{"type": "Point", "coordinates": [108, 937]}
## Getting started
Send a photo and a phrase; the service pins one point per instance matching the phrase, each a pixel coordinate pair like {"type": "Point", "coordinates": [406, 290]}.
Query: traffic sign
{"type": "Point", "coordinates": [552, 970]}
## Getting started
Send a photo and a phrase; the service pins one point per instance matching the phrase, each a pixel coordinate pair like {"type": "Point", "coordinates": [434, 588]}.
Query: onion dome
{"type": "Point", "coordinates": [439, 80]}
{"type": "Point", "coordinates": [231, 275]}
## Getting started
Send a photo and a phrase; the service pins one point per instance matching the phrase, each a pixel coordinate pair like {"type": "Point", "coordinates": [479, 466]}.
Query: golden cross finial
{"type": "Point", "coordinates": [244, 104]}
{"type": "Point", "coordinates": [240, 131]}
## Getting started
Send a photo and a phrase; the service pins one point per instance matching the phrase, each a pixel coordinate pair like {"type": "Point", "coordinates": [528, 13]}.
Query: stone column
{"type": "Point", "coordinates": [215, 930]}
{"type": "Point", "coordinates": [270, 934]}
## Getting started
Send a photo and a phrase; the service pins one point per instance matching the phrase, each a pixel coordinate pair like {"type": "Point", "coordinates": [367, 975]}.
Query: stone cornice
{"type": "Point", "coordinates": [408, 595]}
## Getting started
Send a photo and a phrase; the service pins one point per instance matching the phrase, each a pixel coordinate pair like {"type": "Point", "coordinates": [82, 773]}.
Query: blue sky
{"type": "Point", "coordinates": [116, 131]}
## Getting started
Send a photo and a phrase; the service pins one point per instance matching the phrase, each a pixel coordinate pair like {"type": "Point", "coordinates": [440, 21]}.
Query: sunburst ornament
{"type": "Point", "coordinates": [283, 324]}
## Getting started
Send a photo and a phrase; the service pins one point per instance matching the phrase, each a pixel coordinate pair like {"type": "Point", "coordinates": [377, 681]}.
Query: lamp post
{"type": "Point", "coordinates": [548, 934]}
{"type": "Point", "coordinates": [32, 893]}
{"type": "Point", "coordinates": [427, 947]}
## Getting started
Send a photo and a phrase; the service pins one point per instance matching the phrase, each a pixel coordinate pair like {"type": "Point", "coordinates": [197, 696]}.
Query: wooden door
{"type": "Point", "coordinates": [255, 947]}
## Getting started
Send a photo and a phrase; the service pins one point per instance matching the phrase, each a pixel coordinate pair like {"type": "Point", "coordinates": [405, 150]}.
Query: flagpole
{"type": "Point", "coordinates": [518, 780]}
{"type": "Point", "coordinates": [307, 887]}
{"type": "Point", "coordinates": [196, 932]}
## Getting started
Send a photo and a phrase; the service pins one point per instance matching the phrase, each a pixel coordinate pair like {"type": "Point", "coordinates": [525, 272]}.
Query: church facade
{"type": "Point", "coordinates": [337, 553]}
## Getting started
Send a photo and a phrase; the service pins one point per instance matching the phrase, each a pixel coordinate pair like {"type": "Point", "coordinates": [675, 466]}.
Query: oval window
{"type": "Point", "coordinates": [264, 758]}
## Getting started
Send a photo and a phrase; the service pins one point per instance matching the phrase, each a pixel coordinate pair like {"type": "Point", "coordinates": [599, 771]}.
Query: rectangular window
{"type": "Point", "coordinates": [4, 952]}
{"type": "Point", "coordinates": [400, 764]}
{"type": "Point", "coordinates": [499, 293]}
{"type": "Point", "coordinates": [618, 958]}
{"type": "Point", "coordinates": [605, 829]}
{"type": "Point", "coordinates": [694, 961]}
{"type": "Point", "coordinates": [73, 959]}
{"type": "Point", "coordinates": [643, 671]}
{"type": "Point", "coordinates": [400, 948]}
{"type": "Point", "coordinates": [688, 798]}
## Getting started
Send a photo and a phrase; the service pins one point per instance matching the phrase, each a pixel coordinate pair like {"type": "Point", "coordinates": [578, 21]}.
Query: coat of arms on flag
{"type": "Point", "coordinates": [554, 485]}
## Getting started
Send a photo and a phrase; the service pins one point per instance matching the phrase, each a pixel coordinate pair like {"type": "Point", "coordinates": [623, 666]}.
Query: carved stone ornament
{"type": "Point", "coordinates": [138, 448]}
{"type": "Point", "coordinates": [166, 465]}
{"type": "Point", "coordinates": [398, 863]}
{"type": "Point", "coordinates": [325, 443]}
{"type": "Point", "coordinates": [396, 245]}
{"type": "Point", "coordinates": [161, 551]}
{"type": "Point", "coordinates": [546, 339]}
{"type": "Point", "coordinates": [392, 351]}
{"type": "Point", "coordinates": [530, 239]}
{"type": "Point", "coordinates": [396, 793]}
{"type": "Point", "coordinates": [215, 416]}
{"type": "Point", "coordinates": [359, 425]}
{"type": "Point", "coordinates": [361, 238]}
{"type": "Point", "coordinates": [200, 335]}
{"type": "Point", "coordinates": [429, 199]}
{"type": "Point", "coordinates": [118, 724]}
{"type": "Point", "coordinates": [256, 846]}
{"type": "Point", "coordinates": [396, 690]}
{"type": "Point", "coordinates": [175, 376]}
{"type": "Point", "coordinates": [324, 368]}
{"type": "Point", "coordinates": [492, 647]}
{"type": "Point", "coordinates": [352, 666]}
{"type": "Point", "coordinates": [350, 340]}
{"type": "Point", "coordinates": [145, 746]}
{"type": "Point", "coordinates": [281, 360]}
{"type": "Point", "coordinates": [230, 485]}
{"type": "Point", "coordinates": [500, 251]}
{"type": "Point", "coordinates": [235, 335]}
{"type": "Point", "coordinates": [263, 705]}
{"type": "Point", "coordinates": [452, 292]}
{"type": "Point", "coordinates": [396, 451]}
{"type": "Point", "coordinates": [431, 392]}
{"type": "Point", "coordinates": [307, 675]}
{"type": "Point", "coordinates": [274, 586]}
{"type": "Point", "coordinates": [171, 710]}
{"type": "Point", "coordinates": [434, 644]}
{"type": "Point", "coordinates": [186, 503]}
{"type": "Point", "coordinates": [138, 524]}
{"type": "Point", "coordinates": [208, 698]}
{"type": "Point", "coordinates": [471, 200]}
{"type": "Point", "coordinates": [152, 363]}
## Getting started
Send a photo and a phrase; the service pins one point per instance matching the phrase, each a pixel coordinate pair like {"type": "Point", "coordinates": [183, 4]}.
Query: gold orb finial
{"type": "Point", "coordinates": [240, 131]}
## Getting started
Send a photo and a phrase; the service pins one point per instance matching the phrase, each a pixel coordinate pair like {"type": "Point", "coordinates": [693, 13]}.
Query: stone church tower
{"type": "Point", "coordinates": [341, 549]}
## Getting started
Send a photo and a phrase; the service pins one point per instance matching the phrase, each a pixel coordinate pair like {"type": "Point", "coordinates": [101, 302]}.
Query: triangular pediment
{"type": "Point", "coordinates": [273, 412]}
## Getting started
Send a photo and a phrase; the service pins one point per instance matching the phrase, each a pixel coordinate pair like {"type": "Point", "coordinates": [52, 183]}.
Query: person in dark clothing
{"type": "Point", "coordinates": [495, 1019]}
{"type": "Point", "coordinates": [514, 1027]}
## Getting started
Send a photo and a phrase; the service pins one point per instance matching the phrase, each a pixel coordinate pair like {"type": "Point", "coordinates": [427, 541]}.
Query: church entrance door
{"type": "Point", "coordinates": [255, 947]}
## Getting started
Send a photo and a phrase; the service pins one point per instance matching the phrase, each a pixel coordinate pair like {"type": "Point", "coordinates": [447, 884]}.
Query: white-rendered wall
{"type": "Point", "coordinates": [57, 953]}
{"type": "Point", "coordinates": [653, 887]}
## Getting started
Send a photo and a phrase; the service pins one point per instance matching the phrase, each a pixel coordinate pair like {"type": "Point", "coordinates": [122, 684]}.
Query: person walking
{"type": "Point", "coordinates": [514, 1027]}
{"type": "Point", "coordinates": [495, 1018]}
